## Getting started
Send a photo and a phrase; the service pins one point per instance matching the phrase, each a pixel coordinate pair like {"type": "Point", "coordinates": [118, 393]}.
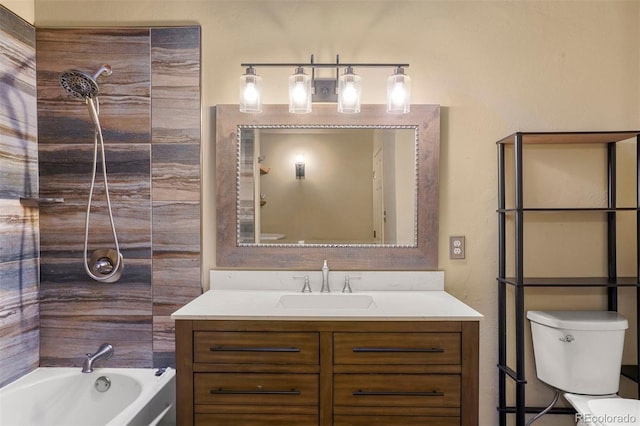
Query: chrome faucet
{"type": "Point", "coordinates": [347, 285]}
{"type": "Point", "coordinates": [325, 278]}
{"type": "Point", "coordinates": [306, 288]}
{"type": "Point", "coordinates": [105, 351]}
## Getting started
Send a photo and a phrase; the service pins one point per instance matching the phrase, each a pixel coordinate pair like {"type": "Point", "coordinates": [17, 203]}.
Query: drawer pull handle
{"type": "Point", "coordinates": [410, 350]}
{"type": "Point", "coordinates": [221, 391]}
{"type": "Point", "coordinates": [245, 349]}
{"type": "Point", "coordinates": [391, 393]}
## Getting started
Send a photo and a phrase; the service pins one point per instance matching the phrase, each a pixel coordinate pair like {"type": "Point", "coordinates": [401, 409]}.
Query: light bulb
{"type": "Point", "coordinates": [349, 90]}
{"type": "Point", "coordinates": [250, 93]}
{"type": "Point", "coordinates": [250, 100]}
{"type": "Point", "coordinates": [398, 92]}
{"type": "Point", "coordinates": [299, 92]}
{"type": "Point", "coordinates": [349, 96]}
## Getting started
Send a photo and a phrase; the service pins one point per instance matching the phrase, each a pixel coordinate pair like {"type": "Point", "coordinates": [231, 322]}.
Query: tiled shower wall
{"type": "Point", "coordinates": [150, 115]}
{"type": "Point", "coordinates": [18, 178]}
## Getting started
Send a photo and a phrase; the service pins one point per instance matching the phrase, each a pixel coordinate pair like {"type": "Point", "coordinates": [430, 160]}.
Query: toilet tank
{"type": "Point", "coordinates": [578, 351]}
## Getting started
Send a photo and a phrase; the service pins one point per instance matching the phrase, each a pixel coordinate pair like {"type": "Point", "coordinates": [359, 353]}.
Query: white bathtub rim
{"type": "Point", "coordinates": [43, 374]}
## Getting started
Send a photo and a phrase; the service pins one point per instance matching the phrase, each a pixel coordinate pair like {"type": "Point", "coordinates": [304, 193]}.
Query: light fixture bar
{"type": "Point", "coordinates": [323, 65]}
{"type": "Point", "coordinates": [345, 89]}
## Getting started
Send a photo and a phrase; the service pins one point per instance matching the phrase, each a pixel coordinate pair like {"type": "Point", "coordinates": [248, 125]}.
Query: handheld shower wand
{"type": "Point", "coordinates": [105, 265]}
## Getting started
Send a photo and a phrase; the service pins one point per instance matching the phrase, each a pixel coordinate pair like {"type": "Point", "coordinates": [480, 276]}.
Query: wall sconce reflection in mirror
{"type": "Point", "coordinates": [345, 88]}
{"type": "Point", "coordinates": [300, 166]}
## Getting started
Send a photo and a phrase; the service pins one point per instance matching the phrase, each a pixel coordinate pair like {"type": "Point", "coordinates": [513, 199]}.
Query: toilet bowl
{"type": "Point", "coordinates": [604, 410]}
{"type": "Point", "coordinates": [580, 354]}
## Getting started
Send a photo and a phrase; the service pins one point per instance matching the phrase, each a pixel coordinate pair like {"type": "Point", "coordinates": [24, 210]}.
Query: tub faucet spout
{"type": "Point", "coordinates": [105, 351]}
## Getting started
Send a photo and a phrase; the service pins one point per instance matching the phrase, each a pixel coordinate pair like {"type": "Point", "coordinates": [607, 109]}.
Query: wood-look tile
{"type": "Point", "coordinates": [163, 334]}
{"type": "Point", "coordinates": [15, 27]}
{"type": "Point", "coordinates": [164, 359]}
{"type": "Point", "coordinates": [66, 289]}
{"type": "Point", "coordinates": [175, 82]}
{"type": "Point", "coordinates": [176, 228]}
{"type": "Point", "coordinates": [124, 96]}
{"type": "Point", "coordinates": [66, 339]}
{"type": "Point", "coordinates": [176, 172]}
{"type": "Point", "coordinates": [65, 172]}
{"type": "Point", "coordinates": [19, 319]}
{"type": "Point", "coordinates": [176, 114]}
{"type": "Point", "coordinates": [176, 282]}
{"type": "Point", "coordinates": [19, 233]}
{"type": "Point", "coordinates": [18, 122]}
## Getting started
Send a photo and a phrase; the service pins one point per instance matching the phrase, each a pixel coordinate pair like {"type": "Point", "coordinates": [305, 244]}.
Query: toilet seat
{"type": "Point", "coordinates": [615, 411]}
{"type": "Point", "coordinates": [605, 410]}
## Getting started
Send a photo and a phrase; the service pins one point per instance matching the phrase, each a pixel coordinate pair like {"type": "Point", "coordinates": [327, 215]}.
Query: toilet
{"type": "Point", "coordinates": [580, 354]}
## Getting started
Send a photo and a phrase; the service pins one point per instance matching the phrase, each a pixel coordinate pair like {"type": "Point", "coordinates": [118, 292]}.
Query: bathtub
{"type": "Point", "coordinates": [57, 396]}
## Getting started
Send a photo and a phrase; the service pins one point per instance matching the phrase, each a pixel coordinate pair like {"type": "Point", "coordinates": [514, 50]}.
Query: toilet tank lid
{"type": "Point", "coordinates": [580, 320]}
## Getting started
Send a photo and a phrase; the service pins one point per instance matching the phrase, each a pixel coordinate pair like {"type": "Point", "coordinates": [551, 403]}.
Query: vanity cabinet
{"type": "Point", "coordinates": [262, 372]}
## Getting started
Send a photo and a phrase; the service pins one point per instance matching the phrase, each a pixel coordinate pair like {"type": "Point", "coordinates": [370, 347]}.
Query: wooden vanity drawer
{"type": "Point", "coordinates": [394, 421]}
{"type": "Point", "coordinates": [238, 347]}
{"type": "Point", "coordinates": [397, 348]}
{"type": "Point", "coordinates": [255, 419]}
{"type": "Point", "coordinates": [255, 389]}
{"type": "Point", "coordinates": [396, 390]}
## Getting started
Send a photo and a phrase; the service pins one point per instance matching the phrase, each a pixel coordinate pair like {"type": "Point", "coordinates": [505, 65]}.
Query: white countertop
{"type": "Point", "coordinates": [403, 305]}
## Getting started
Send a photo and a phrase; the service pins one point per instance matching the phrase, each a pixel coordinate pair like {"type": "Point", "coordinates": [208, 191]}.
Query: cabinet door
{"type": "Point", "coordinates": [397, 348]}
{"type": "Point", "coordinates": [396, 390]}
{"type": "Point", "coordinates": [239, 347]}
{"type": "Point", "coordinates": [255, 389]}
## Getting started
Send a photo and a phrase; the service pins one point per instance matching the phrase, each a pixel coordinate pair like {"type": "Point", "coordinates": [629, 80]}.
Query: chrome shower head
{"type": "Point", "coordinates": [82, 85]}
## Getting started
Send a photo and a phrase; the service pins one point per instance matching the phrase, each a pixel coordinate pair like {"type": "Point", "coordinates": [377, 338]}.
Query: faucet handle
{"type": "Point", "coordinates": [347, 286]}
{"type": "Point", "coordinates": [306, 288]}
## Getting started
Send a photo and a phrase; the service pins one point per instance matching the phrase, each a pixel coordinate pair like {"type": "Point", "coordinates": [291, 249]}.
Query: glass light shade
{"type": "Point", "coordinates": [250, 96]}
{"type": "Point", "coordinates": [399, 92]}
{"type": "Point", "coordinates": [349, 91]}
{"type": "Point", "coordinates": [299, 92]}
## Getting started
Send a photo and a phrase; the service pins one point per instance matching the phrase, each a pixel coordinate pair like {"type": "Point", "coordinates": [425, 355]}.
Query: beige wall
{"type": "Point", "coordinates": [494, 66]}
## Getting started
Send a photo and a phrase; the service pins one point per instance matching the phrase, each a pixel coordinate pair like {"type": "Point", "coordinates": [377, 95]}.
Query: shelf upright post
{"type": "Point", "coordinates": [519, 282]}
{"type": "Point", "coordinates": [612, 291]}
{"type": "Point", "coordinates": [637, 378]}
{"type": "Point", "coordinates": [502, 291]}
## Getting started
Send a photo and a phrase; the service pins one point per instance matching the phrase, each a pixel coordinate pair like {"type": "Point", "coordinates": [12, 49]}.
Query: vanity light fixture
{"type": "Point", "coordinates": [299, 92]}
{"type": "Point", "coordinates": [300, 166]}
{"type": "Point", "coordinates": [250, 96]}
{"type": "Point", "coordinates": [345, 89]}
{"type": "Point", "coordinates": [349, 90]}
{"type": "Point", "coordinates": [398, 92]}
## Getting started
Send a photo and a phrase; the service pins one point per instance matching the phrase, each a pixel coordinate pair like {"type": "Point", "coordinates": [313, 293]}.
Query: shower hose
{"type": "Point", "coordinates": [94, 112]}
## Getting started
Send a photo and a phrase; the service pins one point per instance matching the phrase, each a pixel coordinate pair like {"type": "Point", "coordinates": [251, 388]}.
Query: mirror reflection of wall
{"type": "Point", "coordinates": [332, 204]}
{"type": "Point", "coordinates": [359, 186]}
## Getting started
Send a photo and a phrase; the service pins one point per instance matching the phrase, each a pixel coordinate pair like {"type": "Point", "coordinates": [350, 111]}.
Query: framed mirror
{"type": "Point", "coordinates": [358, 190]}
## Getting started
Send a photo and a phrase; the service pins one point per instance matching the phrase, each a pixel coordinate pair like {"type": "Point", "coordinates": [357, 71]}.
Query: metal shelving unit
{"type": "Point", "coordinates": [519, 282]}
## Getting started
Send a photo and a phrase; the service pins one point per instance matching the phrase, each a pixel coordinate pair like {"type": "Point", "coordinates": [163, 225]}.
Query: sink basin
{"type": "Point", "coordinates": [326, 301]}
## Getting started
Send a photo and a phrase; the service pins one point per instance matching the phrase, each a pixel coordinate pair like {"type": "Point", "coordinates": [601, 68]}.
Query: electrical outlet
{"type": "Point", "coordinates": [456, 248]}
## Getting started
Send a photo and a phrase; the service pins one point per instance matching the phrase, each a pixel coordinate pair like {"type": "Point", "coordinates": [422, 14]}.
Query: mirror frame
{"type": "Point", "coordinates": [422, 256]}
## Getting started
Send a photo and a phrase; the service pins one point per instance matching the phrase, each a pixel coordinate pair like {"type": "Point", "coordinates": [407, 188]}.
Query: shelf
{"type": "Point", "coordinates": [536, 410]}
{"type": "Point", "coordinates": [570, 209]}
{"type": "Point", "coordinates": [574, 282]}
{"type": "Point", "coordinates": [570, 137]}
{"type": "Point", "coordinates": [511, 236]}
{"type": "Point", "coordinates": [630, 372]}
